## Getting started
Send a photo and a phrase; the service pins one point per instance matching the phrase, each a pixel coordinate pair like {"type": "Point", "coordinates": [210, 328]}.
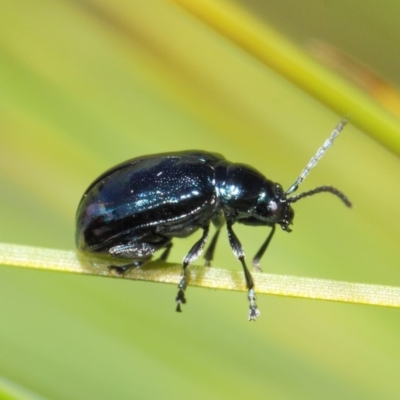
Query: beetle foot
{"type": "Point", "coordinates": [180, 299]}
{"type": "Point", "coordinates": [254, 311]}
{"type": "Point", "coordinates": [121, 269]}
{"type": "Point", "coordinates": [256, 266]}
{"type": "Point", "coordinates": [118, 269]}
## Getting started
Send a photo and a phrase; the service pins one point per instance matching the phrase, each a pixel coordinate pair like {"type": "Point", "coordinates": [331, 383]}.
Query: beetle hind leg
{"type": "Point", "coordinates": [165, 253]}
{"type": "Point", "coordinates": [121, 269]}
{"type": "Point", "coordinates": [194, 253]}
{"type": "Point", "coordinates": [138, 252]}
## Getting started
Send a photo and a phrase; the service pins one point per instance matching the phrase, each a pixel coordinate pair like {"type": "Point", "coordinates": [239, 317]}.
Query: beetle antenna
{"type": "Point", "coordinates": [313, 162]}
{"type": "Point", "coordinates": [321, 189]}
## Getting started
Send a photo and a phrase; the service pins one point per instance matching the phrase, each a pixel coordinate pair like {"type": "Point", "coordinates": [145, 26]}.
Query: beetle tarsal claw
{"type": "Point", "coordinates": [115, 270]}
{"type": "Point", "coordinates": [254, 311]}
{"type": "Point", "coordinates": [180, 299]}
{"type": "Point", "coordinates": [256, 266]}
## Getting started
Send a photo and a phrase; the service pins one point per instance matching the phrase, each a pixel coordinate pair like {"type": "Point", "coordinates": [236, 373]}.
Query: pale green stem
{"type": "Point", "coordinates": [216, 278]}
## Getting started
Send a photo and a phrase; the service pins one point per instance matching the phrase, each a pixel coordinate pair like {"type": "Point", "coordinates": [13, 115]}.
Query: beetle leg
{"type": "Point", "coordinates": [166, 252]}
{"type": "Point", "coordinates": [218, 221]}
{"type": "Point", "coordinates": [194, 253]}
{"type": "Point", "coordinates": [140, 252]}
{"type": "Point", "coordinates": [121, 269]}
{"type": "Point", "coordinates": [136, 249]}
{"type": "Point", "coordinates": [260, 253]}
{"type": "Point", "coordinates": [239, 253]}
{"type": "Point", "coordinates": [208, 256]}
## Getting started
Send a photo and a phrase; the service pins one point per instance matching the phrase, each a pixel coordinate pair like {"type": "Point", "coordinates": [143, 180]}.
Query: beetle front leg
{"type": "Point", "coordinates": [194, 253]}
{"type": "Point", "coordinates": [260, 253]}
{"type": "Point", "coordinates": [239, 253]}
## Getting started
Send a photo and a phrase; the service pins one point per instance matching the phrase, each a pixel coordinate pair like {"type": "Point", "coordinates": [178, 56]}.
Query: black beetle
{"type": "Point", "coordinates": [139, 206]}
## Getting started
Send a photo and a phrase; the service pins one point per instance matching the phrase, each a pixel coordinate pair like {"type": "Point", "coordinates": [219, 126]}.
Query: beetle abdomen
{"type": "Point", "coordinates": [162, 196]}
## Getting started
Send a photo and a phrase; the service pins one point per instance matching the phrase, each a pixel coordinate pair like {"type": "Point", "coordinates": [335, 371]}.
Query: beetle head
{"type": "Point", "coordinates": [280, 210]}
{"type": "Point", "coordinates": [273, 207]}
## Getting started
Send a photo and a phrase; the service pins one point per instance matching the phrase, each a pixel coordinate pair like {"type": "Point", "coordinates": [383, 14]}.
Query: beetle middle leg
{"type": "Point", "coordinates": [218, 221]}
{"type": "Point", "coordinates": [208, 256]}
{"type": "Point", "coordinates": [239, 253]}
{"type": "Point", "coordinates": [194, 253]}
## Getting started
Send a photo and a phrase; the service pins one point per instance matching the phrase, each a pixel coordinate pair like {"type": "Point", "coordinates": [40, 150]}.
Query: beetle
{"type": "Point", "coordinates": [139, 206]}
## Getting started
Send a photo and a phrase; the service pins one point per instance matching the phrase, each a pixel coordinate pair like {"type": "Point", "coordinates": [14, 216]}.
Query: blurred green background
{"type": "Point", "coordinates": [87, 84]}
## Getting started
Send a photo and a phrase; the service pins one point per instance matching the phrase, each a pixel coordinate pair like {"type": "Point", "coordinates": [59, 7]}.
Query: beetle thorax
{"type": "Point", "coordinates": [248, 197]}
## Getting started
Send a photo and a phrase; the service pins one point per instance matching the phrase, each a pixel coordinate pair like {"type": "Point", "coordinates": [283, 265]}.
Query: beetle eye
{"type": "Point", "coordinates": [275, 208]}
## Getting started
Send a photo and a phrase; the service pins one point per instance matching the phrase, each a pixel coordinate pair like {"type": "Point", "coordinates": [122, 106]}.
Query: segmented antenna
{"type": "Point", "coordinates": [321, 189]}
{"type": "Point", "coordinates": [313, 162]}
